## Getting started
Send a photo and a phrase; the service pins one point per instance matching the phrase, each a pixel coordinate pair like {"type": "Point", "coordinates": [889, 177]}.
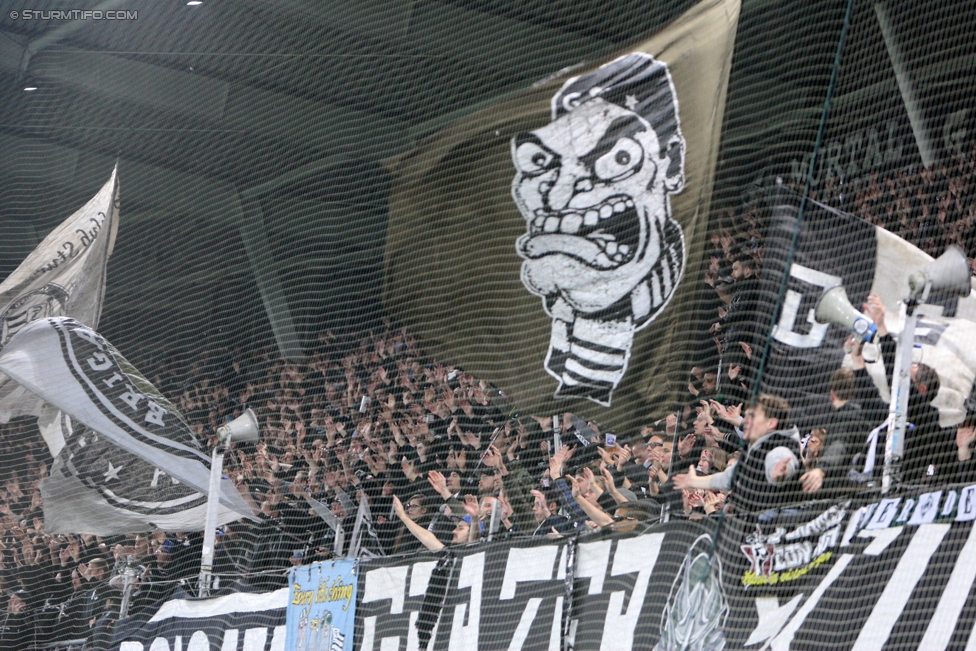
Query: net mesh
{"type": "Point", "coordinates": [313, 201]}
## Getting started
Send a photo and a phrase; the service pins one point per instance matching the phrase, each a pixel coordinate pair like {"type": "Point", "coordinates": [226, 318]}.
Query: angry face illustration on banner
{"type": "Point", "coordinates": [601, 247]}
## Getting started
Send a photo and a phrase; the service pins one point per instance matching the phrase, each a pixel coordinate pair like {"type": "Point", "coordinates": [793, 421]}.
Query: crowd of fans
{"type": "Point", "coordinates": [932, 208]}
{"type": "Point", "coordinates": [441, 458]}
{"type": "Point", "coordinates": [434, 452]}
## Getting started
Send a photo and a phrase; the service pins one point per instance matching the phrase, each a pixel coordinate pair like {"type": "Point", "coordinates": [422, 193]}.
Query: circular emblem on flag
{"type": "Point", "coordinates": [39, 304]}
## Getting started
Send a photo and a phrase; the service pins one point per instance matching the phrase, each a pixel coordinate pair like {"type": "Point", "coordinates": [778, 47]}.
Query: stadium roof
{"type": "Point", "coordinates": [252, 134]}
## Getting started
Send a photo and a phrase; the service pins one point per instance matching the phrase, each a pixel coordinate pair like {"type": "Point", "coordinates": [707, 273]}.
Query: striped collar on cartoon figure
{"type": "Point", "coordinates": [601, 247]}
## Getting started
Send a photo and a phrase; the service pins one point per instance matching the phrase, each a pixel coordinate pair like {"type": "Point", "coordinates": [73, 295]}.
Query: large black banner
{"type": "Point", "coordinates": [886, 574]}
{"type": "Point", "coordinates": [829, 248]}
{"type": "Point", "coordinates": [894, 573]}
{"type": "Point", "coordinates": [495, 591]}
{"type": "Point", "coordinates": [613, 592]}
{"type": "Point", "coordinates": [568, 301]}
{"type": "Point", "coordinates": [876, 575]}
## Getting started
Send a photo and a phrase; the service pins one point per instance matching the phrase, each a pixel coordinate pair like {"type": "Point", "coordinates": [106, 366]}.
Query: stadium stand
{"type": "Point", "coordinates": [333, 280]}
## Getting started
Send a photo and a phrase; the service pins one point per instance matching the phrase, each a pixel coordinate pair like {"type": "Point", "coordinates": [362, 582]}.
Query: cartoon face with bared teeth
{"type": "Point", "coordinates": [593, 186]}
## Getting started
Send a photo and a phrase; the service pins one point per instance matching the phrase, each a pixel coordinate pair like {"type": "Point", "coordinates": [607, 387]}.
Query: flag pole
{"type": "Point", "coordinates": [210, 525]}
{"type": "Point", "coordinates": [243, 428]}
{"type": "Point", "coordinates": [900, 389]}
{"type": "Point", "coordinates": [356, 532]}
{"type": "Point", "coordinates": [129, 578]}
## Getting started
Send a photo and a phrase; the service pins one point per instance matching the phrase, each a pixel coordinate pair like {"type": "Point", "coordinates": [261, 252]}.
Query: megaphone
{"type": "Point", "coordinates": [244, 428]}
{"type": "Point", "coordinates": [835, 307]}
{"type": "Point", "coordinates": [949, 272]}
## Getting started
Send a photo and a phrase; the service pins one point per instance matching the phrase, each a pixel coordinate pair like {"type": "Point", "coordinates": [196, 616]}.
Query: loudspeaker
{"type": "Point", "coordinates": [835, 307]}
{"type": "Point", "coordinates": [949, 272]}
{"type": "Point", "coordinates": [243, 428]}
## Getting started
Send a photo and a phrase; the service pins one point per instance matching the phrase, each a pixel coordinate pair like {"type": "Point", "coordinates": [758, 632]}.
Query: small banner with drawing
{"type": "Point", "coordinates": [321, 606]}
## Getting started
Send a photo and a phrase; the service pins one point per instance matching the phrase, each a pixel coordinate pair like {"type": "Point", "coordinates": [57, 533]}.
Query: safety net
{"type": "Point", "coordinates": [461, 324]}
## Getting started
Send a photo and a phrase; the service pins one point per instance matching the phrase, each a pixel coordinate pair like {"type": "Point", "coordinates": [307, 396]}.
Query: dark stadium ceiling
{"type": "Point", "coordinates": [241, 123]}
{"type": "Point", "coordinates": [244, 91]}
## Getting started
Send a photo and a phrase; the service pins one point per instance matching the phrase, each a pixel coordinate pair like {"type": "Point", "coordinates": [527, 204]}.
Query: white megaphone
{"type": "Point", "coordinates": [244, 428]}
{"type": "Point", "coordinates": [949, 272]}
{"type": "Point", "coordinates": [835, 307]}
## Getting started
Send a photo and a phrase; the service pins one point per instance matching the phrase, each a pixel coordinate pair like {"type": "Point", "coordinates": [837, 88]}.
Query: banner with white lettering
{"type": "Point", "coordinates": [131, 462]}
{"type": "Point", "coordinates": [63, 276]}
{"type": "Point", "coordinates": [603, 593]}
{"type": "Point", "coordinates": [895, 574]}
{"type": "Point", "coordinates": [851, 575]}
{"type": "Point", "coordinates": [321, 606]}
{"type": "Point", "coordinates": [521, 590]}
{"type": "Point", "coordinates": [880, 575]}
{"type": "Point", "coordinates": [248, 622]}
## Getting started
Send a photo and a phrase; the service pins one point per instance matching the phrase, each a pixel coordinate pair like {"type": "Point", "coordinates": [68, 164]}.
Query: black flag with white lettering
{"type": "Point", "coordinates": [831, 248]}
{"type": "Point", "coordinates": [235, 621]}
{"type": "Point", "coordinates": [862, 575]}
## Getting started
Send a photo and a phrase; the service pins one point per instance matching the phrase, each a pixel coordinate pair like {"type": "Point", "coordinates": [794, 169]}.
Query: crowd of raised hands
{"type": "Point", "coordinates": [439, 455]}
{"type": "Point", "coordinates": [369, 419]}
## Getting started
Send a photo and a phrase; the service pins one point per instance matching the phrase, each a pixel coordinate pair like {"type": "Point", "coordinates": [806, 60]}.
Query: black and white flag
{"type": "Point", "coordinates": [131, 462]}
{"type": "Point", "coordinates": [562, 282]}
{"type": "Point", "coordinates": [63, 276]}
{"type": "Point", "coordinates": [240, 620]}
{"type": "Point", "coordinates": [834, 248]}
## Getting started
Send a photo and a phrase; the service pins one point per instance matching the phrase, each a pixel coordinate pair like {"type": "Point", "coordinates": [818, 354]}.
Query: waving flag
{"type": "Point", "coordinates": [543, 243]}
{"type": "Point", "coordinates": [63, 276]}
{"type": "Point", "coordinates": [130, 462]}
{"type": "Point", "coordinates": [835, 248]}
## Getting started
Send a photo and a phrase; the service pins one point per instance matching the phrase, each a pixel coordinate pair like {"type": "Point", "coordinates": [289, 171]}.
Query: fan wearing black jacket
{"type": "Point", "coordinates": [15, 623]}
{"type": "Point", "coordinates": [846, 432]}
{"type": "Point", "coordinates": [765, 477]}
